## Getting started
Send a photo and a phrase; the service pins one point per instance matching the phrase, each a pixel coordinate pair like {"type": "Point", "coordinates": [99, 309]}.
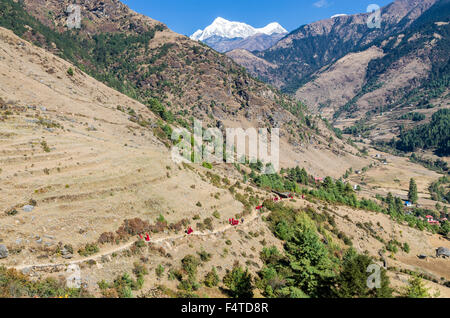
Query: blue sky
{"type": "Point", "coordinates": [187, 16]}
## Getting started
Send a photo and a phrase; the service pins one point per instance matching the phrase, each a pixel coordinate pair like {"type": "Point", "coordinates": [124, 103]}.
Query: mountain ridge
{"type": "Point", "coordinates": [180, 79]}
{"type": "Point", "coordinates": [311, 47]}
{"type": "Point", "coordinates": [408, 73]}
{"type": "Point", "coordinates": [231, 29]}
{"type": "Point", "coordinates": [366, 81]}
{"type": "Point", "coordinates": [224, 36]}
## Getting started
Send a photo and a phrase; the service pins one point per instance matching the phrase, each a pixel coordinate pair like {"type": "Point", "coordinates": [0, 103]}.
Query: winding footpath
{"type": "Point", "coordinates": [251, 219]}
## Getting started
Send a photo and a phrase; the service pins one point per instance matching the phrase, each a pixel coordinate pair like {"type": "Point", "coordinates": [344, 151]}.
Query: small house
{"type": "Point", "coordinates": [408, 204]}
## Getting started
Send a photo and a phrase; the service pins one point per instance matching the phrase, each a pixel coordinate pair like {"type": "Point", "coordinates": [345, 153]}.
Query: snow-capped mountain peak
{"type": "Point", "coordinates": [338, 15]}
{"type": "Point", "coordinates": [230, 30]}
{"type": "Point", "coordinates": [272, 28]}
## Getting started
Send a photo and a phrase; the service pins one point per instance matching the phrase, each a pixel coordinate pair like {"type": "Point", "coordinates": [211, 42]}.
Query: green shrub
{"type": "Point", "coordinates": [190, 264]}
{"type": "Point", "coordinates": [207, 165]}
{"type": "Point", "coordinates": [352, 280]}
{"type": "Point", "coordinates": [159, 270]}
{"type": "Point", "coordinates": [88, 250]}
{"type": "Point", "coordinates": [14, 284]}
{"type": "Point", "coordinates": [204, 256]}
{"type": "Point", "coordinates": [406, 248]}
{"type": "Point", "coordinates": [211, 278]}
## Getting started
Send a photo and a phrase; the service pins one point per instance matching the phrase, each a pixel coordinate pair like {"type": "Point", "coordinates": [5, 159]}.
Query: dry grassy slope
{"type": "Point", "coordinates": [245, 242]}
{"type": "Point", "coordinates": [91, 180]}
{"type": "Point", "coordinates": [255, 65]}
{"type": "Point", "coordinates": [338, 83]}
{"type": "Point", "coordinates": [211, 87]}
{"type": "Point", "coordinates": [387, 124]}
{"type": "Point", "coordinates": [94, 181]}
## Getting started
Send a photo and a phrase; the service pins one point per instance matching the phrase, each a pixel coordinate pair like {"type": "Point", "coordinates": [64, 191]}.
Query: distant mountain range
{"type": "Point", "coordinates": [365, 79]}
{"type": "Point", "coordinates": [223, 36]}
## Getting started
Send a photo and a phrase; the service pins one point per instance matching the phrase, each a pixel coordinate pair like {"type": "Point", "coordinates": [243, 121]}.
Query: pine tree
{"type": "Point", "coordinates": [352, 280]}
{"type": "Point", "coordinates": [412, 194]}
{"type": "Point", "coordinates": [239, 282]}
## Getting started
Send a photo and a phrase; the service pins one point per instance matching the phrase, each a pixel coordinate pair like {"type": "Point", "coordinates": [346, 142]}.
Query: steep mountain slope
{"type": "Point", "coordinates": [67, 149]}
{"type": "Point", "coordinates": [180, 79]}
{"type": "Point", "coordinates": [380, 82]}
{"type": "Point", "coordinates": [97, 16]}
{"type": "Point", "coordinates": [258, 42]}
{"type": "Point", "coordinates": [255, 65]}
{"type": "Point", "coordinates": [223, 36]}
{"type": "Point", "coordinates": [89, 170]}
{"type": "Point", "coordinates": [338, 83]}
{"type": "Point", "coordinates": [378, 87]}
{"type": "Point", "coordinates": [313, 46]}
{"type": "Point", "coordinates": [183, 75]}
{"type": "Point", "coordinates": [87, 166]}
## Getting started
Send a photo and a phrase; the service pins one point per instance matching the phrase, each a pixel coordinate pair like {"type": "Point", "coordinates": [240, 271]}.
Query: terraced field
{"type": "Point", "coordinates": [81, 162]}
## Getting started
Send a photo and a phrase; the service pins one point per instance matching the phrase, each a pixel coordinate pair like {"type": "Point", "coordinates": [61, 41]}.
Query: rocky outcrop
{"type": "Point", "coordinates": [97, 16]}
{"type": "Point", "coordinates": [443, 252]}
{"type": "Point", "coordinates": [3, 251]}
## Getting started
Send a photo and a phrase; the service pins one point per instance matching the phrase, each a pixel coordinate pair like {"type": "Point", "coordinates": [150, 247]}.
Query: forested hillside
{"type": "Point", "coordinates": [390, 85]}
{"type": "Point", "coordinates": [432, 28]}
{"type": "Point", "coordinates": [311, 47]}
{"type": "Point", "coordinates": [435, 135]}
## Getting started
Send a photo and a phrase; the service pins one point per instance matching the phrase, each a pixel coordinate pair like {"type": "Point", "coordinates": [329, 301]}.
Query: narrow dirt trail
{"type": "Point", "coordinates": [251, 219]}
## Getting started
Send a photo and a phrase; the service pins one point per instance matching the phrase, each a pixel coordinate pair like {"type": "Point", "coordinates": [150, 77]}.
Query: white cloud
{"type": "Point", "coordinates": [322, 4]}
